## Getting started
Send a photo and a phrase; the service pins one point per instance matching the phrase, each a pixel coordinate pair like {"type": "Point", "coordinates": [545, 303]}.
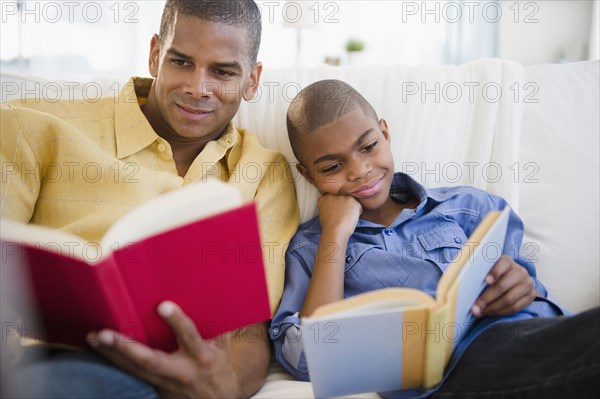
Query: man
{"type": "Point", "coordinates": [160, 134]}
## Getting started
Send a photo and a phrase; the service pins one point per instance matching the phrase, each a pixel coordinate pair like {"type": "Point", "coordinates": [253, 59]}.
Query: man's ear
{"type": "Point", "coordinates": [306, 173]}
{"type": "Point", "coordinates": [384, 129]}
{"type": "Point", "coordinates": [251, 87]}
{"type": "Point", "coordinates": [154, 57]}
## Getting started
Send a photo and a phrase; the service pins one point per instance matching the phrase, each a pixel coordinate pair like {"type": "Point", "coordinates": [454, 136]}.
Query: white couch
{"type": "Point", "coordinates": [528, 133]}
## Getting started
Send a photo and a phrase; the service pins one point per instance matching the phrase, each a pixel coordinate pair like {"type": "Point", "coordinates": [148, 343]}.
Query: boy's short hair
{"type": "Point", "coordinates": [241, 13]}
{"type": "Point", "coordinates": [321, 103]}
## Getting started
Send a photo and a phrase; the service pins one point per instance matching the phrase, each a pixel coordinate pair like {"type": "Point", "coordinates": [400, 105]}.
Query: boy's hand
{"type": "Point", "coordinates": [339, 214]}
{"type": "Point", "coordinates": [510, 289]}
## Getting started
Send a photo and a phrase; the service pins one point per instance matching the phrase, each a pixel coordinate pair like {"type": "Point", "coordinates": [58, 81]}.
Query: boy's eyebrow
{"type": "Point", "coordinates": [358, 143]}
{"type": "Point", "coordinates": [179, 54]}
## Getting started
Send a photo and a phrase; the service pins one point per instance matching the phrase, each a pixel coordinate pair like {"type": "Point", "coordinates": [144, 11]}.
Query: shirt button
{"type": "Point", "coordinates": [275, 331]}
{"type": "Point", "coordinates": [162, 147]}
{"type": "Point", "coordinates": [348, 258]}
{"type": "Point", "coordinates": [457, 240]}
{"type": "Point", "coordinates": [388, 232]}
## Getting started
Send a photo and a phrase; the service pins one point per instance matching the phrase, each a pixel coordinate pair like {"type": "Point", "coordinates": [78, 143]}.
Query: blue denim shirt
{"type": "Point", "coordinates": [414, 251]}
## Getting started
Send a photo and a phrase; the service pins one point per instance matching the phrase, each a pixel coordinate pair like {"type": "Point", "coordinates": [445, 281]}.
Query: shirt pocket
{"type": "Point", "coordinates": [442, 245]}
{"type": "Point", "coordinates": [370, 267]}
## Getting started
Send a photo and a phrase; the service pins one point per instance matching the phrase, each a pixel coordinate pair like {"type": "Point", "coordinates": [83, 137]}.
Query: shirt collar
{"type": "Point", "coordinates": [133, 132]}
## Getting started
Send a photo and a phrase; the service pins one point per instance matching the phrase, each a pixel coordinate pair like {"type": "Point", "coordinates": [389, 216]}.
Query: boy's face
{"type": "Point", "coordinates": [350, 156]}
{"type": "Point", "coordinates": [202, 72]}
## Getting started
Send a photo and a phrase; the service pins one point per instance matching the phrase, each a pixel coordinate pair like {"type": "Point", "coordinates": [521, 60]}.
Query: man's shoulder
{"type": "Point", "coordinates": [250, 142]}
{"type": "Point", "coordinates": [100, 108]}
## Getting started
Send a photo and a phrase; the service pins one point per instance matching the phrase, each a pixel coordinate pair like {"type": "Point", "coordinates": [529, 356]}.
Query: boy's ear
{"type": "Point", "coordinates": [306, 173]}
{"type": "Point", "coordinates": [384, 129]}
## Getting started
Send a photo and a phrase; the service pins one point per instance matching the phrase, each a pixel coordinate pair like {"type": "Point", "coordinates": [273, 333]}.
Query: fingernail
{"type": "Point", "coordinates": [489, 279]}
{"type": "Point", "coordinates": [92, 338]}
{"type": "Point", "coordinates": [166, 309]}
{"type": "Point", "coordinates": [106, 337]}
{"type": "Point", "coordinates": [476, 310]}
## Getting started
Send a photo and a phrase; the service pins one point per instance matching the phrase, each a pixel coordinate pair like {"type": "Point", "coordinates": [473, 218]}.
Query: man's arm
{"type": "Point", "coordinates": [232, 365]}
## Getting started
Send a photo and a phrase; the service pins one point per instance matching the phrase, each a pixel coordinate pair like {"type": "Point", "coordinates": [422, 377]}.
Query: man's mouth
{"type": "Point", "coordinates": [193, 113]}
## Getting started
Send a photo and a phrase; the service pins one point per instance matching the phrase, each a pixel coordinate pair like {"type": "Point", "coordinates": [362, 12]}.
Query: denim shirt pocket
{"type": "Point", "coordinates": [442, 245]}
{"type": "Point", "coordinates": [370, 267]}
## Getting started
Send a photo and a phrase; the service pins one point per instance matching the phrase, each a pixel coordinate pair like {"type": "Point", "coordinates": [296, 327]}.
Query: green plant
{"type": "Point", "coordinates": [354, 45]}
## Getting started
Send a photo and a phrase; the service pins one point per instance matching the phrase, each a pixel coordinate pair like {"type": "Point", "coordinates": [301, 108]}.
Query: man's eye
{"type": "Point", "coordinates": [224, 73]}
{"type": "Point", "coordinates": [178, 62]}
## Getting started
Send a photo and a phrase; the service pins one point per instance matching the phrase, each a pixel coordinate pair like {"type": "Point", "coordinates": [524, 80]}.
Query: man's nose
{"type": "Point", "coordinates": [201, 85]}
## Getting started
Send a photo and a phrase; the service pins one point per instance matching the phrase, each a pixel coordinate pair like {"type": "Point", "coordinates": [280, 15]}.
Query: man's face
{"type": "Point", "coordinates": [202, 72]}
{"type": "Point", "coordinates": [350, 156]}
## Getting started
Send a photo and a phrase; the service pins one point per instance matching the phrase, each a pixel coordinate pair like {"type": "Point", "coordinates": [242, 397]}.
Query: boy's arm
{"type": "Point", "coordinates": [338, 216]}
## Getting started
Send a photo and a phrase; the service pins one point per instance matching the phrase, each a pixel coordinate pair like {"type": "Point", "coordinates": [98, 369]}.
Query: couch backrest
{"type": "Point", "coordinates": [527, 133]}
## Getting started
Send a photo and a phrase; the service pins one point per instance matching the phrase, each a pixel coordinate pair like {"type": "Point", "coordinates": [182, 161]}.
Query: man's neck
{"type": "Point", "coordinates": [185, 150]}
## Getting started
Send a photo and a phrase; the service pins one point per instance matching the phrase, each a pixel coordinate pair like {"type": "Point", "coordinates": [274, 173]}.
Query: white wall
{"type": "Point", "coordinates": [532, 32]}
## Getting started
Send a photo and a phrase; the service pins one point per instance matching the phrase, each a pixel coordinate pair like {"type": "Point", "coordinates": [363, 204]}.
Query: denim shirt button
{"type": "Point", "coordinates": [275, 331]}
{"type": "Point", "coordinates": [348, 258]}
{"type": "Point", "coordinates": [457, 240]}
{"type": "Point", "coordinates": [388, 232]}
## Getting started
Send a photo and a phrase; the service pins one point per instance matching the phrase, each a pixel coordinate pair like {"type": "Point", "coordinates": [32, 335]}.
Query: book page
{"type": "Point", "coordinates": [373, 301]}
{"type": "Point", "coordinates": [177, 208]}
{"type": "Point", "coordinates": [45, 238]}
{"type": "Point", "coordinates": [471, 279]}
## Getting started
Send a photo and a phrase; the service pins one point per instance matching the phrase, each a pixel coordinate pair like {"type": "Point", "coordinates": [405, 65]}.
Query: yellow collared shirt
{"type": "Point", "coordinates": [78, 166]}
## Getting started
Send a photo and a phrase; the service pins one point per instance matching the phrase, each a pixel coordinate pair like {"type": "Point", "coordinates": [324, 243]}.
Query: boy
{"type": "Point", "coordinates": [377, 228]}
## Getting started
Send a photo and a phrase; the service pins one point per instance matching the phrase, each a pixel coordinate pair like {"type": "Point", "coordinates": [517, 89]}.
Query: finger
{"type": "Point", "coordinates": [501, 267]}
{"type": "Point", "coordinates": [505, 280]}
{"type": "Point", "coordinates": [185, 330]}
{"type": "Point", "coordinates": [505, 306]}
{"type": "Point", "coordinates": [132, 356]}
{"type": "Point", "coordinates": [512, 300]}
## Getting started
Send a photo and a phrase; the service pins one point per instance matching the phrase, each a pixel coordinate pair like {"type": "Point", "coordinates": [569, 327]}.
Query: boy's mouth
{"type": "Point", "coordinates": [369, 189]}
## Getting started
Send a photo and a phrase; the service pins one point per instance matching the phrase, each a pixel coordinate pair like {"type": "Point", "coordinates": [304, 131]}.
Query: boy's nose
{"type": "Point", "coordinates": [358, 170]}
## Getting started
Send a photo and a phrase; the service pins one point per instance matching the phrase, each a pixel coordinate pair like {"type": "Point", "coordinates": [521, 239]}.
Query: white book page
{"type": "Point", "coordinates": [472, 276]}
{"type": "Point", "coordinates": [45, 238]}
{"type": "Point", "coordinates": [177, 208]}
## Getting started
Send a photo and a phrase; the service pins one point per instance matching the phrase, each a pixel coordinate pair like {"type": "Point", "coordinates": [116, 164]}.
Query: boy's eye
{"type": "Point", "coordinates": [370, 147]}
{"type": "Point", "coordinates": [331, 168]}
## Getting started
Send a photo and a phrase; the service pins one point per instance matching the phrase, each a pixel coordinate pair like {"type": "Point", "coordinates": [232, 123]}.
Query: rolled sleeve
{"type": "Point", "coordinates": [285, 329]}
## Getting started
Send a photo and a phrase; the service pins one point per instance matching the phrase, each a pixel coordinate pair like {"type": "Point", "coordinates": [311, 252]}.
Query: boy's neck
{"type": "Point", "coordinates": [389, 211]}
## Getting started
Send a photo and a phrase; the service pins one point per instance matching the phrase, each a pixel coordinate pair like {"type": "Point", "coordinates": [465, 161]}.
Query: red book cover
{"type": "Point", "coordinates": [211, 267]}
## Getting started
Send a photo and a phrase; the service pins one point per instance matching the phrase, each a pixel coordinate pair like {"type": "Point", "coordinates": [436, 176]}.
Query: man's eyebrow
{"type": "Point", "coordinates": [178, 54]}
{"type": "Point", "coordinates": [232, 64]}
{"type": "Point", "coordinates": [358, 143]}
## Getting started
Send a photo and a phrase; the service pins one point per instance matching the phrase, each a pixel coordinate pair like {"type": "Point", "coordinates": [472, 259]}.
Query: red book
{"type": "Point", "coordinates": [198, 247]}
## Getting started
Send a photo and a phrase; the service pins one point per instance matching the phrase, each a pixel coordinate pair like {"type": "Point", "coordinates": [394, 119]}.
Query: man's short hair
{"type": "Point", "coordinates": [241, 13]}
{"type": "Point", "coordinates": [319, 104]}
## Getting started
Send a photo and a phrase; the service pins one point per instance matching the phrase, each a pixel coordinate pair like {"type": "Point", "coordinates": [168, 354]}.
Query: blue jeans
{"type": "Point", "coordinates": [71, 374]}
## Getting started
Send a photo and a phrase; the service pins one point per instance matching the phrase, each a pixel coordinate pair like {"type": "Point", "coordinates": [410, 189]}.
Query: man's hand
{"type": "Point", "coordinates": [199, 368]}
{"type": "Point", "coordinates": [510, 289]}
